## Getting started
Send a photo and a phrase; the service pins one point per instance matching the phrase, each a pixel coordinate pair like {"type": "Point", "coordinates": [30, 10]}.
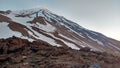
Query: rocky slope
{"type": "Point", "coordinates": [20, 53]}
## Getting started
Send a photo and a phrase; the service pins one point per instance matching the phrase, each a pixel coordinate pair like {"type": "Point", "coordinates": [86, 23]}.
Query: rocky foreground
{"type": "Point", "coordinates": [20, 53]}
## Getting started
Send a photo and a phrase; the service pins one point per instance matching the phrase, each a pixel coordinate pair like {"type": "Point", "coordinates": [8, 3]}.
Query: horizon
{"type": "Point", "coordinates": [96, 15]}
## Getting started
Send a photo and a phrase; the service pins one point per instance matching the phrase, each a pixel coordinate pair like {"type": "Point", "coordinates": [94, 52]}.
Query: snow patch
{"type": "Point", "coordinates": [6, 32]}
{"type": "Point", "coordinates": [43, 37]}
{"type": "Point", "coordinates": [73, 46]}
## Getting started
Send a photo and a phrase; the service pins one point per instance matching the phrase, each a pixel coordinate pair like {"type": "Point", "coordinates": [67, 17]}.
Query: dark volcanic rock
{"type": "Point", "coordinates": [20, 53]}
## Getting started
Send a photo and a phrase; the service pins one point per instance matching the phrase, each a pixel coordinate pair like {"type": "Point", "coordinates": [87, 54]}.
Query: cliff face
{"type": "Point", "coordinates": [20, 53]}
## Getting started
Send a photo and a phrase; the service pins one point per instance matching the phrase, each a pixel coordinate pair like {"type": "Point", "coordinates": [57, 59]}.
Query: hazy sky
{"type": "Point", "coordinates": [99, 15]}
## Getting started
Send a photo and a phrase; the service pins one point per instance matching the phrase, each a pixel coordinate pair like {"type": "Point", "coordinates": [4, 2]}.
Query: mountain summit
{"type": "Point", "coordinates": [43, 25]}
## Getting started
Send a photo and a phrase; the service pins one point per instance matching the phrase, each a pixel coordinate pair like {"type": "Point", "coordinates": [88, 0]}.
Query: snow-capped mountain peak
{"type": "Point", "coordinates": [41, 24]}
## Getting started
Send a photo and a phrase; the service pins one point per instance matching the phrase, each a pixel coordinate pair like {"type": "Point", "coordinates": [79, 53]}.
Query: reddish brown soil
{"type": "Point", "coordinates": [39, 19]}
{"type": "Point", "coordinates": [4, 18]}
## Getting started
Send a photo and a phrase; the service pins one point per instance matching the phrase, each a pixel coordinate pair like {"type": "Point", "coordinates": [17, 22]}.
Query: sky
{"type": "Point", "coordinates": [98, 15]}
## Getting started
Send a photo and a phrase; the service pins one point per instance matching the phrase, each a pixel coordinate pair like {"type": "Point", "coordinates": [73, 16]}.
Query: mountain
{"type": "Point", "coordinates": [41, 24]}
